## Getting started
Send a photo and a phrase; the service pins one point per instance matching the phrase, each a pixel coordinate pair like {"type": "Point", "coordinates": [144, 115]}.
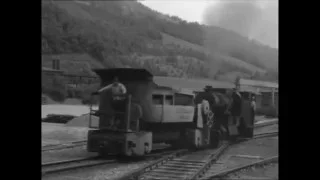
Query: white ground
{"type": "Point", "coordinates": [58, 133]}
{"type": "Point", "coordinates": [75, 110]}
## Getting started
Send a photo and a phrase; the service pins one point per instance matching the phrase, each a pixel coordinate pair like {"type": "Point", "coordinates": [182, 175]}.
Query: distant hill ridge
{"type": "Point", "coordinates": [122, 33]}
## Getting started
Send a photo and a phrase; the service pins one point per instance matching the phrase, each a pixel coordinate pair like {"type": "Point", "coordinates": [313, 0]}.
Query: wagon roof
{"type": "Point", "coordinates": [255, 83]}
{"type": "Point", "coordinates": [124, 74]}
{"type": "Point", "coordinates": [176, 90]}
{"type": "Point", "coordinates": [190, 84]}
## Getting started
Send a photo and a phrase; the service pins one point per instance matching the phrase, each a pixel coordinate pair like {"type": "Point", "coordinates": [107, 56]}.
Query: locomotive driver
{"type": "Point", "coordinates": [118, 91]}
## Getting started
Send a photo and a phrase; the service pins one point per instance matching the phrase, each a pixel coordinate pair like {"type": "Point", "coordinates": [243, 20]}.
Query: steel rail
{"type": "Point", "coordinates": [174, 168]}
{"type": "Point", "coordinates": [61, 166]}
{"type": "Point", "coordinates": [232, 170]}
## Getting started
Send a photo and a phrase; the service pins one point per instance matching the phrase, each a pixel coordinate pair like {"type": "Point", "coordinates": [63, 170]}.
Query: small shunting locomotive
{"type": "Point", "coordinates": [149, 113]}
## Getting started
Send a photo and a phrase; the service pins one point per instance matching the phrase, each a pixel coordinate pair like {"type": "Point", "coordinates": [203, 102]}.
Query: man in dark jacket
{"type": "Point", "coordinates": [253, 105]}
{"type": "Point", "coordinates": [236, 106]}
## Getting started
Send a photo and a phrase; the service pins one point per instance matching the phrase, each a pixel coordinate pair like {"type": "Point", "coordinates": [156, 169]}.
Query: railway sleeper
{"type": "Point", "coordinates": [188, 161]}
{"type": "Point", "coordinates": [166, 171]}
{"type": "Point", "coordinates": [183, 165]}
{"type": "Point", "coordinates": [156, 175]}
{"type": "Point", "coordinates": [178, 168]}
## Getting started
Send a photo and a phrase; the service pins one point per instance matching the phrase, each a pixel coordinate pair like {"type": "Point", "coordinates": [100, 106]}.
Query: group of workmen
{"type": "Point", "coordinates": [235, 106]}
{"type": "Point", "coordinates": [119, 92]}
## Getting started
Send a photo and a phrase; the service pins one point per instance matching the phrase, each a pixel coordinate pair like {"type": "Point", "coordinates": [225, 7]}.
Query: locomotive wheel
{"type": "Point", "coordinates": [214, 139]}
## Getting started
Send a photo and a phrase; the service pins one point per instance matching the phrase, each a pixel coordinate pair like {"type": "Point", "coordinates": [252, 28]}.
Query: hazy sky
{"type": "Point", "coordinates": [256, 19]}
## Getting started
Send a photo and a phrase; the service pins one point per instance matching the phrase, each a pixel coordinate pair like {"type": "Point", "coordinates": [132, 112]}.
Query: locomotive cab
{"type": "Point", "coordinates": [118, 130]}
{"type": "Point", "coordinates": [120, 133]}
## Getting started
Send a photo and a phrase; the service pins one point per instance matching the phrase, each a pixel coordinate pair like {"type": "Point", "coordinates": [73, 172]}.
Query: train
{"type": "Point", "coordinates": [153, 114]}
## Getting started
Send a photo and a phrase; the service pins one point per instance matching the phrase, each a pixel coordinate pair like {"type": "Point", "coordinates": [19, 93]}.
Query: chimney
{"type": "Point", "coordinates": [56, 64]}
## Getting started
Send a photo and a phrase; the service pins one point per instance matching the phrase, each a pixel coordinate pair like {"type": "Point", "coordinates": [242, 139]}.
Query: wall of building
{"type": "Point", "coordinates": [48, 76]}
{"type": "Point", "coordinates": [264, 102]}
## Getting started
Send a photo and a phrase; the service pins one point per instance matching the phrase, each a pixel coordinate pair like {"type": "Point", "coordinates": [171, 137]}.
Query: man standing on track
{"type": "Point", "coordinates": [236, 106]}
{"type": "Point", "coordinates": [253, 105]}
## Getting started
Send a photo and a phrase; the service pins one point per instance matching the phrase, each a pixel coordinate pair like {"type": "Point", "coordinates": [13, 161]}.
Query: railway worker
{"type": "Point", "coordinates": [117, 89]}
{"type": "Point", "coordinates": [236, 106]}
{"type": "Point", "coordinates": [253, 102]}
{"type": "Point", "coordinates": [253, 105]}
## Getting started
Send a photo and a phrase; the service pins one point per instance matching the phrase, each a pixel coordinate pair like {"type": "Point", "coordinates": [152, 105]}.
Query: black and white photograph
{"type": "Point", "coordinates": [159, 89]}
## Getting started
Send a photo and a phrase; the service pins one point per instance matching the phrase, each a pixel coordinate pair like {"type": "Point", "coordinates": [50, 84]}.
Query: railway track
{"type": "Point", "coordinates": [221, 174]}
{"type": "Point", "coordinates": [260, 125]}
{"type": "Point", "coordinates": [53, 147]}
{"type": "Point", "coordinates": [184, 164]}
{"type": "Point", "coordinates": [59, 166]}
{"type": "Point", "coordinates": [67, 165]}
{"type": "Point", "coordinates": [167, 165]}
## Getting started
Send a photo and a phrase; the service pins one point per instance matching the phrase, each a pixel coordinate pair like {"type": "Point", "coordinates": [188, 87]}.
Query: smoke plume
{"type": "Point", "coordinates": [236, 15]}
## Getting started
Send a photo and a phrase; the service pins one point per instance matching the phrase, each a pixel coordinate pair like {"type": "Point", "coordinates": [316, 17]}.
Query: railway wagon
{"type": "Point", "coordinates": [155, 114]}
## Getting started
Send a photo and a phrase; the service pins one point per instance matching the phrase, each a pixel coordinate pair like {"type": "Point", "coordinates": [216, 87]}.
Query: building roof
{"type": "Point", "coordinates": [248, 82]}
{"type": "Point", "coordinates": [124, 74]}
{"type": "Point", "coordinates": [176, 90]}
{"type": "Point", "coordinates": [250, 90]}
{"type": "Point", "coordinates": [190, 84]}
{"type": "Point", "coordinates": [50, 69]}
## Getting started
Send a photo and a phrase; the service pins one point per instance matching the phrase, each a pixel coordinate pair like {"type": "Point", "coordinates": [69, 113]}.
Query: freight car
{"type": "Point", "coordinates": [157, 114]}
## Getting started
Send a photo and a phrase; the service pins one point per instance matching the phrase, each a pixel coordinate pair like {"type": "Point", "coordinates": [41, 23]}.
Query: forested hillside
{"type": "Point", "coordinates": [128, 34]}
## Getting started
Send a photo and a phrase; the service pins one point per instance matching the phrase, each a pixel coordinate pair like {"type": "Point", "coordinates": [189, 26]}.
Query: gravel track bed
{"type": "Point", "coordinates": [103, 172]}
{"type": "Point", "coordinates": [269, 128]}
{"type": "Point", "coordinates": [266, 172]}
{"type": "Point", "coordinates": [65, 154]}
{"type": "Point", "coordinates": [245, 153]}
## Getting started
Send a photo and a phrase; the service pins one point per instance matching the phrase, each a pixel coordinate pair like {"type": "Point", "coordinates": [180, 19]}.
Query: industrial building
{"type": "Point", "coordinates": [266, 93]}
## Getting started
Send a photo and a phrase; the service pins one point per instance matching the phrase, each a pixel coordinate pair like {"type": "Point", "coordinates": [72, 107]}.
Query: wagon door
{"type": "Point", "coordinates": [157, 107]}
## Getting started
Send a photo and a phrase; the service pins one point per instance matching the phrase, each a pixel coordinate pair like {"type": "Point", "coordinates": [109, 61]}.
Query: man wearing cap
{"type": "Point", "coordinates": [236, 106]}
{"type": "Point", "coordinates": [253, 105]}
